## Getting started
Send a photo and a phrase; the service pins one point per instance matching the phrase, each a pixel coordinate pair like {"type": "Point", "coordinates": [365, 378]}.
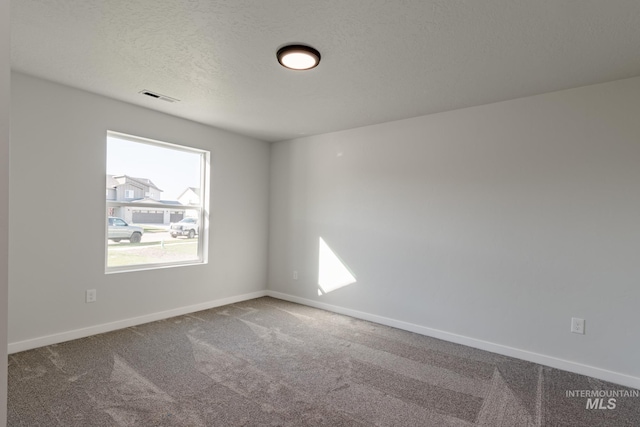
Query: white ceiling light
{"type": "Point", "coordinates": [298, 57]}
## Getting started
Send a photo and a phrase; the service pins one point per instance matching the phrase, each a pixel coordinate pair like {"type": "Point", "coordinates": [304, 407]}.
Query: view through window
{"type": "Point", "coordinates": [156, 203]}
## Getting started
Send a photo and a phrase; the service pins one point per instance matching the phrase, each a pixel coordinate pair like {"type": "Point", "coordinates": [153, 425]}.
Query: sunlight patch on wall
{"type": "Point", "coordinates": [332, 272]}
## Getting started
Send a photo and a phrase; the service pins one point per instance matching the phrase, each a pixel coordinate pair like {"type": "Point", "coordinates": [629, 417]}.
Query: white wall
{"type": "Point", "coordinates": [498, 223]}
{"type": "Point", "coordinates": [58, 143]}
{"type": "Point", "coordinates": [5, 62]}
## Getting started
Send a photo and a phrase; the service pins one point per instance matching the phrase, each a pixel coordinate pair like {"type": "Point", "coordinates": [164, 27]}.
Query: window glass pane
{"type": "Point", "coordinates": [155, 208]}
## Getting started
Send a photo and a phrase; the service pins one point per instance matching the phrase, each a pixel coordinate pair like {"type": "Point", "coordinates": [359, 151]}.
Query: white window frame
{"type": "Point", "coordinates": [129, 194]}
{"type": "Point", "coordinates": [202, 208]}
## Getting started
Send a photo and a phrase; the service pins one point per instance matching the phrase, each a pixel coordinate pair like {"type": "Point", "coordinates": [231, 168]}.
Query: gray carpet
{"type": "Point", "coordinates": [267, 362]}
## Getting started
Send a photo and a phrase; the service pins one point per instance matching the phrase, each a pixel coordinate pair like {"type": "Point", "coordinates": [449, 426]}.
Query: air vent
{"type": "Point", "coordinates": [158, 96]}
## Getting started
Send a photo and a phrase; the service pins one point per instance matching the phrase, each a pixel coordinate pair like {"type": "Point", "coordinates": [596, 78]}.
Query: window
{"type": "Point", "coordinates": [159, 231]}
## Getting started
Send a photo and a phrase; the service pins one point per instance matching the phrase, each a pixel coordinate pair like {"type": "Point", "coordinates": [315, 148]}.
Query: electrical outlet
{"type": "Point", "coordinates": [91, 295]}
{"type": "Point", "coordinates": [295, 274]}
{"type": "Point", "coordinates": [577, 325]}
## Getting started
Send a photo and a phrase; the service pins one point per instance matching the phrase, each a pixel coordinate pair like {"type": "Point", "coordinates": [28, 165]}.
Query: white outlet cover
{"type": "Point", "coordinates": [577, 325]}
{"type": "Point", "coordinates": [90, 295]}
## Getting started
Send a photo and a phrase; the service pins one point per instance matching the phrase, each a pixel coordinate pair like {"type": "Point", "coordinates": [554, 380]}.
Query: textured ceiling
{"type": "Point", "coordinates": [381, 60]}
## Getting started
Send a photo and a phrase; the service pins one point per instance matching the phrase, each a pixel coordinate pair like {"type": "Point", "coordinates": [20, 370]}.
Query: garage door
{"type": "Point", "coordinates": [176, 216]}
{"type": "Point", "coordinates": [147, 217]}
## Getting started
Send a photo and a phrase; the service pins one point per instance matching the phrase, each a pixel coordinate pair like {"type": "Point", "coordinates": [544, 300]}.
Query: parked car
{"type": "Point", "coordinates": [120, 230]}
{"type": "Point", "coordinates": [185, 227]}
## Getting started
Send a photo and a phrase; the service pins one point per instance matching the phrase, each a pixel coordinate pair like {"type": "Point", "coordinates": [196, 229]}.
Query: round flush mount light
{"type": "Point", "coordinates": [298, 57]}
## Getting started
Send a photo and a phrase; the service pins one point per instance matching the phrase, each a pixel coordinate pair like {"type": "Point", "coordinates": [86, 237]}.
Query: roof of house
{"type": "Point", "coordinates": [157, 202]}
{"type": "Point", "coordinates": [145, 181]}
{"type": "Point", "coordinates": [142, 181]}
{"type": "Point", "coordinates": [194, 189]}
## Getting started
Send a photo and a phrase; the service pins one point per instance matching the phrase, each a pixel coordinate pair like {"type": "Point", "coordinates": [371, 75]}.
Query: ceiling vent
{"type": "Point", "coordinates": [158, 96]}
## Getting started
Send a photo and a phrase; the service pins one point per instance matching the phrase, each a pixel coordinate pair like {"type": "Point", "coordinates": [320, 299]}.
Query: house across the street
{"type": "Point", "coordinates": [139, 201]}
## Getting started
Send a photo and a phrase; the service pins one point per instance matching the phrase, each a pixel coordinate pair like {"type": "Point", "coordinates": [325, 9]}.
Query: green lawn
{"type": "Point", "coordinates": [152, 229]}
{"type": "Point", "coordinates": [152, 253]}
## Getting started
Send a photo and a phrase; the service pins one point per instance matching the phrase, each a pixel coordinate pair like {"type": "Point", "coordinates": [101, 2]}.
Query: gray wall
{"type": "Point", "coordinates": [59, 137]}
{"type": "Point", "coordinates": [497, 223]}
{"type": "Point", "coordinates": [5, 62]}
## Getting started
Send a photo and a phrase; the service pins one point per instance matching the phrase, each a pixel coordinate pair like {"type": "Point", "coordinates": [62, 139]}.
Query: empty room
{"type": "Point", "coordinates": [305, 213]}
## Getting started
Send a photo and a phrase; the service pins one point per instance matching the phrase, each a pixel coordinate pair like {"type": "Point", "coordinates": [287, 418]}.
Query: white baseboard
{"type": "Point", "coordinates": [120, 324]}
{"type": "Point", "coordinates": [541, 359]}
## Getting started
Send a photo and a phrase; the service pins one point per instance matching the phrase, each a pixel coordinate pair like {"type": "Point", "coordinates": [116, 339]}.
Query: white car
{"type": "Point", "coordinates": [120, 230]}
{"type": "Point", "coordinates": [186, 227]}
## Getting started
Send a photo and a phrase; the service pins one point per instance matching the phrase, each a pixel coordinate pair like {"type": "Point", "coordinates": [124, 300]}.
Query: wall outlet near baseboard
{"type": "Point", "coordinates": [295, 274]}
{"type": "Point", "coordinates": [91, 295]}
{"type": "Point", "coordinates": [577, 325]}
